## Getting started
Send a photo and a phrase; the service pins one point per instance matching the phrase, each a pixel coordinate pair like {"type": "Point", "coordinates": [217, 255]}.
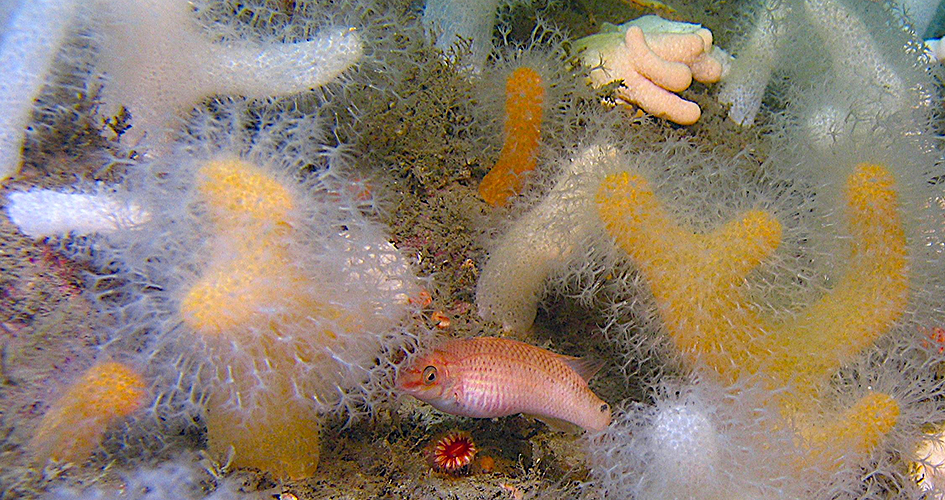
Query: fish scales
{"type": "Point", "coordinates": [488, 377]}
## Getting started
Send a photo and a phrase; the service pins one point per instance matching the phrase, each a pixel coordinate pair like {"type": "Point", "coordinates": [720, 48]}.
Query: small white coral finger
{"type": "Point", "coordinates": [540, 243]}
{"type": "Point", "coordinates": [31, 39]}
{"type": "Point", "coordinates": [42, 212]}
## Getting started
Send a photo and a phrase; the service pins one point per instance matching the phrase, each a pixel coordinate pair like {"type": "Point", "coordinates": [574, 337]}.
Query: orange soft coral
{"type": "Point", "coordinates": [269, 328]}
{"type": "Point", "coordinates": [75, 424]}
{"type": "Point", "coordinates": [698, 281]}
{"type": "Point", "coordinates": [279, 432]}
{"type": "Point", "coordinates": [525, 96]}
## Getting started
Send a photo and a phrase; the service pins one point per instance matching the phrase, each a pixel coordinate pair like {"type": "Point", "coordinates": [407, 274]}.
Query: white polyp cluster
{"type": "Point", "coordinates": [685, 446]}
{"type": "Point", "coordinates": [453, 22]}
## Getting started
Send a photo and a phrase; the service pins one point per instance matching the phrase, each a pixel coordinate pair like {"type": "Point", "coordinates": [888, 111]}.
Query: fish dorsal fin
{"type": "Point", "coordinates": [586, 368]}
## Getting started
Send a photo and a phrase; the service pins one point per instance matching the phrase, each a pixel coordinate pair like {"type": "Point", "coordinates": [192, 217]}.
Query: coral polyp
{"type": "Point", "coordinates": [263, 223]}
{"type": "Point", "coordinates": [706, 290]}
{"type": "Point", "coordinates": [275, 335]}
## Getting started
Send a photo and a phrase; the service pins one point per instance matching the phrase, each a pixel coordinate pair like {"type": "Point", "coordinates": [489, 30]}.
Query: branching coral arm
{"type": "Point", "coordinates": [662, 69]}
{"type": "Point", "coordinates": [744, 88]}
{"type": "Point", "coordinates": [698, 284]}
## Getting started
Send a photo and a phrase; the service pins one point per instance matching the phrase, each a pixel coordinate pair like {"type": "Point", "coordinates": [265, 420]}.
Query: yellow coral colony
{"type": "Point", "coordinates": [75, 424]}
{"type": "Point", "coordinates": [697, 280]}
{"type": "Point", "coordinates": [255, 312]}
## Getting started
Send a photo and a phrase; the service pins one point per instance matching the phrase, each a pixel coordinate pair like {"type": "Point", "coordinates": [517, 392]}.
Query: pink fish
{"type": "Point", "coordinates": [488, 377]}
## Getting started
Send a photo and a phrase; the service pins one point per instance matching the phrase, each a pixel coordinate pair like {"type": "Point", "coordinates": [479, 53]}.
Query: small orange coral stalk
{"type": "Point", "coordinates": [524, 98]}
{"type": "Point", "coordinates": [74, 426]}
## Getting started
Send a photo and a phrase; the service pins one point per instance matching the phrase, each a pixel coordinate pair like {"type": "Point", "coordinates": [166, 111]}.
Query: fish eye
{"type": "Point", "coordinates": [604, 407]}
{"type": "Point", "coordinates": [429, 375]}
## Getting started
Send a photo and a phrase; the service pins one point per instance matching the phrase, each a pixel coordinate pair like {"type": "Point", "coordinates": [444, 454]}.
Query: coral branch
{"type": "Point", "coordinates": [43, 212]}
{"type": "Point", "coordinates": [270, 422]}
{"type": "Point", "coordinates": [524, 101]}
{"type": "Point", "coordinates": [857, 430]}
{"type": "Point", "coordinates": [698, 283]}
{"type": "Point", "coordinates": [694, 277]}
{"type": "Point", "coordinates": [539, 243]}
{"type": "Point", "coordinates": [31, 41]}
{"type": "Point", "coordinates": [159, 64]}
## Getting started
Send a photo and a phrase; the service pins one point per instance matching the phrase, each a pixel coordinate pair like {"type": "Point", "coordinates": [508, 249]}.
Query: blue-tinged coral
{"type": "Point", "coordinates": [812, 38]}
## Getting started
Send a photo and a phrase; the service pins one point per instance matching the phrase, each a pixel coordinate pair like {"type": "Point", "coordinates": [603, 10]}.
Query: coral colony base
{"type": "Point", "coordinates": [235, 233]}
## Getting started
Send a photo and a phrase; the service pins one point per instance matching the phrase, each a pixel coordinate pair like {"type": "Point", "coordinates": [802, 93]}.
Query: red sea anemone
{"type": "Point", "coordinates": [453, 452]}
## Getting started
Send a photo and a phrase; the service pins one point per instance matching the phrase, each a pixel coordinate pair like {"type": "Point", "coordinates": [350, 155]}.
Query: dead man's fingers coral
{"type": "Point", "coordinates": [32, 37]}
{"type": "Point", "coordinates": [539, 243]}
{"type": "Point", "coordinates": [463, 22]}
{"type": "Point", "coordinates": [654, 58]}
{"type": "Point", "coordinates": [288, 312]}
{"type": "Point", "coordinates": [42, 212]}
{"type": "Point", "coordinates": [524, 108]}
{"type": "Point", "coordinates": [662, 72]}
{"type": "Point", "coordinates": [701, 58]}
{"type": "Point", "coordinates": [158, 63]}
{"type": "Point", "coordinates": [75, 425]}
{"type": "Point", "coordinates": [699, 283]}
{"type": "Point", "coordinates": [857, 430]}
{"type": "Point", "coordinates": [254, 413]}
{"type": "Point", "coordinates": [696, 277]}
{"type": "Point", "coordinates": [744, 87]}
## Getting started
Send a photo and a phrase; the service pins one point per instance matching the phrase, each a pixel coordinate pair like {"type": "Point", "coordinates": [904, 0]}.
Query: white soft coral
{"type": "Point", "coordinates": [159, 64]}
{"type": "Point", "coordinates": [31, 40]}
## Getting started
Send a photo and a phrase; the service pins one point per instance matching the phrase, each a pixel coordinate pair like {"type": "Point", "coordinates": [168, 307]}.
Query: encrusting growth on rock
{"type": "Point", "coordinates": [698, 283]}
{"type": "Point", "coordinates": [654, 58]}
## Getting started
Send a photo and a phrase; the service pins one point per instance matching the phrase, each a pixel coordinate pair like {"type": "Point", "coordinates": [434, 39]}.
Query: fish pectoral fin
{"type": "Point", "coordinates": [557, 424]}
{"type": "Point", "coordinates": [586, 368]}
